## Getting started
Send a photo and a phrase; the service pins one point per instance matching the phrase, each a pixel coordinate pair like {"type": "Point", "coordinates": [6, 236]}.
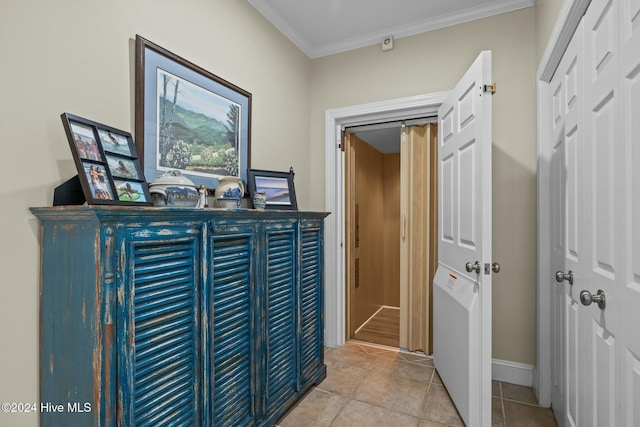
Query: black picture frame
{"type": "Point", "coordinates": [108, 167]}
{"type": "Point", "coordinates": [277, 186]}
{"type": "Point", "coordinates": [189, 119]}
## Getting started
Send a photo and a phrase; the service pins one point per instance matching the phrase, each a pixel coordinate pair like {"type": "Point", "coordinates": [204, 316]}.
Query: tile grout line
{"type": "Point", "coordinates": [535, 405]}
{"type": "Point", "coordinates": [346, 402]}
{"type": "Point", "coordinates": [423, 409]}
{"type": "Point", "coordinates": [377, 356]}
{"type": "Point", "coordinates": [504, 413]}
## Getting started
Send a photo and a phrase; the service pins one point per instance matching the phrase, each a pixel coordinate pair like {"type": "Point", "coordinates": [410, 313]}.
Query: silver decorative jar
{"type": "Point", "coordinates": [174, 190]}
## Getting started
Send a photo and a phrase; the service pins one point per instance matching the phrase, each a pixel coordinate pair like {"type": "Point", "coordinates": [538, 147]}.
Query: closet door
{"type": "Point", "coordinates": [629, 358]}
{"type": "Point", "coordinates": [604, 213]}
{"type": "Point", "coordinates": [567, 222]}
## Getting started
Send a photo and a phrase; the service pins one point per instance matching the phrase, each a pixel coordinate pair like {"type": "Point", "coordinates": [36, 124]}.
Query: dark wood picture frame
{"type": "Point", "coordinates": [195, 142]}
{"type": "Point", "coordinates": [277, 186]}
{"type": "Point", "coordinates": [108, 167]}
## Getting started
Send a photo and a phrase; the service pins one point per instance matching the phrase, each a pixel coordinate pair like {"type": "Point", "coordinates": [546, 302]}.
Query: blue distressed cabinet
{"type": "Point", "coordinates": [161, 316]}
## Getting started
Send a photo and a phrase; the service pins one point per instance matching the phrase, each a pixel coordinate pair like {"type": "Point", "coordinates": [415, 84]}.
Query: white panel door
{"type": "Point", "coordinates": [604, 213]}
{"type": "Point", "coordinates": [567, 221]}
{"type": "Point", "coordinates": [629, 358]}
{"type": "Point", "coordinates": [462, 299]}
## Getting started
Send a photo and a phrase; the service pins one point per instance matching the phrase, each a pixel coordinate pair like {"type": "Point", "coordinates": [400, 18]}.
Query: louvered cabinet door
{"type": "Point", "coordinates": [280, 317]}
{"type": "Point", "coordinates": [311, 301]}
{"type": "Point", "coordinates": [233, 326]}
{"type": "Point", "coordinates": [159, 329]}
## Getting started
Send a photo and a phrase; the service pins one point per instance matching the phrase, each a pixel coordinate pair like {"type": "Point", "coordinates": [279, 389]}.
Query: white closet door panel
{"type": "Point", "coordinates": [574, 220]}
{"type": "Point", "coordinates": [574, 355]}
{"type": "Point", "coordinates": [630, 298]}
{"type": "Point", "coordinates": [568, 219]}
{"type": "Point", "coordinates": [604, 389]}
{"type": "Point", "coordinates": [604, 213]}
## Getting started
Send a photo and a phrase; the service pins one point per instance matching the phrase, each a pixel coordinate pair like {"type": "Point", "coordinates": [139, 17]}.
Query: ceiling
{"type": "Point", "coordinates": [386, 140]}
{"type": "Point", "coordinates": [325, 27]}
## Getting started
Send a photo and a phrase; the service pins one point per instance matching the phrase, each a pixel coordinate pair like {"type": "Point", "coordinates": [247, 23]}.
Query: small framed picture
{"type": "Point", "coordinates": [278, 188]}
{"type": "Point", "coordinates": [107, 161]}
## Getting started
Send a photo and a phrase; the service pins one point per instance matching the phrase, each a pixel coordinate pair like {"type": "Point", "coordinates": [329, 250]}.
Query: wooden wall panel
{"type": "Point", "coordinates": [369, 198]}
{"type": "Point", "coordinates": [391, 217]}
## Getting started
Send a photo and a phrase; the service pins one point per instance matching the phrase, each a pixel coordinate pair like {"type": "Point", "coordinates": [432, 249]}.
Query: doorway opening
{"type": "Point", "coordinates": [390, 227]}
{"type": "Point", "coordinates": [336, 322]}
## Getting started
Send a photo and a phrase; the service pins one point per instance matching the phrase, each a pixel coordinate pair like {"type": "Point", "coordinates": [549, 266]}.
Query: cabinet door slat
{"type": "Point", "coordinates": [232, 330]}
{"type": "Point", "coordinates": [165, 366]}
{"type": "Point", "coordinates": [281, 318]}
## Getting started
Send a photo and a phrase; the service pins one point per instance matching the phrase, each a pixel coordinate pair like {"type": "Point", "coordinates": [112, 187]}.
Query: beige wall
{"type": "Point", "coordinates": [433, 62]}
{"type": "Point", "coordinates": [547, 12]}
{"type": "Point", "coordinates": [77, 56]}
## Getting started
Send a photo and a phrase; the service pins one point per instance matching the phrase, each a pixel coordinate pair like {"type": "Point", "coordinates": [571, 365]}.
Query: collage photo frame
{"type": "Point", "coordinates": [108, 166]}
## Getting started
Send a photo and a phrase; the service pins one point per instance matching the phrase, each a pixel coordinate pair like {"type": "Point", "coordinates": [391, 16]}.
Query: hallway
{"type": "Point", "coordinates": [375, 386]}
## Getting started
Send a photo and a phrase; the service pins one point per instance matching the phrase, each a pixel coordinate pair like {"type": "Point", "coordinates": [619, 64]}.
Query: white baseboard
{"type": "Point", "coordinates": [512, 372]}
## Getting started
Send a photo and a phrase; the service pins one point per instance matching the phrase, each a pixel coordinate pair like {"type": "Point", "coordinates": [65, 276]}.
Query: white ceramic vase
{"type": "Point", "coordinates": [227, 182]}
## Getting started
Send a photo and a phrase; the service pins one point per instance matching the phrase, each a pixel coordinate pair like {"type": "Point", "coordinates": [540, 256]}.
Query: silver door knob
{"type": "Point", "coordinates": [586, 298]}
{"type": "Point", "coordinates": [560, 277]}
{"type": "Point", "coordinates": [495, 267]}
{"type": "Point", "coordinates": [473, 267]}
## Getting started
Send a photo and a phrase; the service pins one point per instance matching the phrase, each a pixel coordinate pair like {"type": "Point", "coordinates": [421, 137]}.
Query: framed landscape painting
{"type": "Point", "coordinates": [189, 119]}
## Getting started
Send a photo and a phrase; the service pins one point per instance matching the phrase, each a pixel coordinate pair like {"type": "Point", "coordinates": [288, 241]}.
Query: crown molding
{"type": "Point", "coordinates": [465, 15]}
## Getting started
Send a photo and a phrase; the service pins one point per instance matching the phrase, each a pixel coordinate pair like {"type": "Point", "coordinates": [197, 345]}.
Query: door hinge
{"type": "Point", "coordinates": [493, 88]}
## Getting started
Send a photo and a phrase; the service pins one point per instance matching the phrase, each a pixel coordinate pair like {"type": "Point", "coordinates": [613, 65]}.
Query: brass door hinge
{"type": "Point", "coordinates": [493, 88]}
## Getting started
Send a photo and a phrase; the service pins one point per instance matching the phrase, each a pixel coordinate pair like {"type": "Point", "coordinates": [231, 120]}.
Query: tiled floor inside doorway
{"type": "Point", "coordinates": [375, 386]}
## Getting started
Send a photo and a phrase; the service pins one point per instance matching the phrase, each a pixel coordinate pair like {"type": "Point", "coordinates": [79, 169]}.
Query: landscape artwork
{"type": "Point", "coordinates": [275, 189]}
{"type": "Point", "coordinates": [198, 131]}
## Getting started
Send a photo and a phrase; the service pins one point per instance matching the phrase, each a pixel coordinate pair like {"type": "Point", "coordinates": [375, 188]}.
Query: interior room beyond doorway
{"type": "Point", "coordinates": [380, 192]}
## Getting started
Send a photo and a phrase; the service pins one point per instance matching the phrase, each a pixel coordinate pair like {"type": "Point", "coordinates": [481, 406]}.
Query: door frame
{"type": "Point", "coordinates": [566, 25]}
{"type": "Point", "coordinates": [335, 120]}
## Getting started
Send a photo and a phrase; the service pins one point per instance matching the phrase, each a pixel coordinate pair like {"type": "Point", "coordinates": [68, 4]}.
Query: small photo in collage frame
{"type": "Point", "coordinates": [107, 161]}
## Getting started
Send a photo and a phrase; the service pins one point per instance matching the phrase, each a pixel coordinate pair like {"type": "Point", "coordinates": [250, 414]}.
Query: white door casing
{"type": "Point", "coordinates": [396, 109]}
{"type": "Point", "coordinates": [462, 300]}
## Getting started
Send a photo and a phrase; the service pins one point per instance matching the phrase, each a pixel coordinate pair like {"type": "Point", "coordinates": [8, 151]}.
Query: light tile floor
{"type": "Point", "coordinates": [375, 386]}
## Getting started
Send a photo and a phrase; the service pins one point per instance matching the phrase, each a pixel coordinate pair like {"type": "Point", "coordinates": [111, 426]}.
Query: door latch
{"type": "Point", "coordinates": [493, 88]}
